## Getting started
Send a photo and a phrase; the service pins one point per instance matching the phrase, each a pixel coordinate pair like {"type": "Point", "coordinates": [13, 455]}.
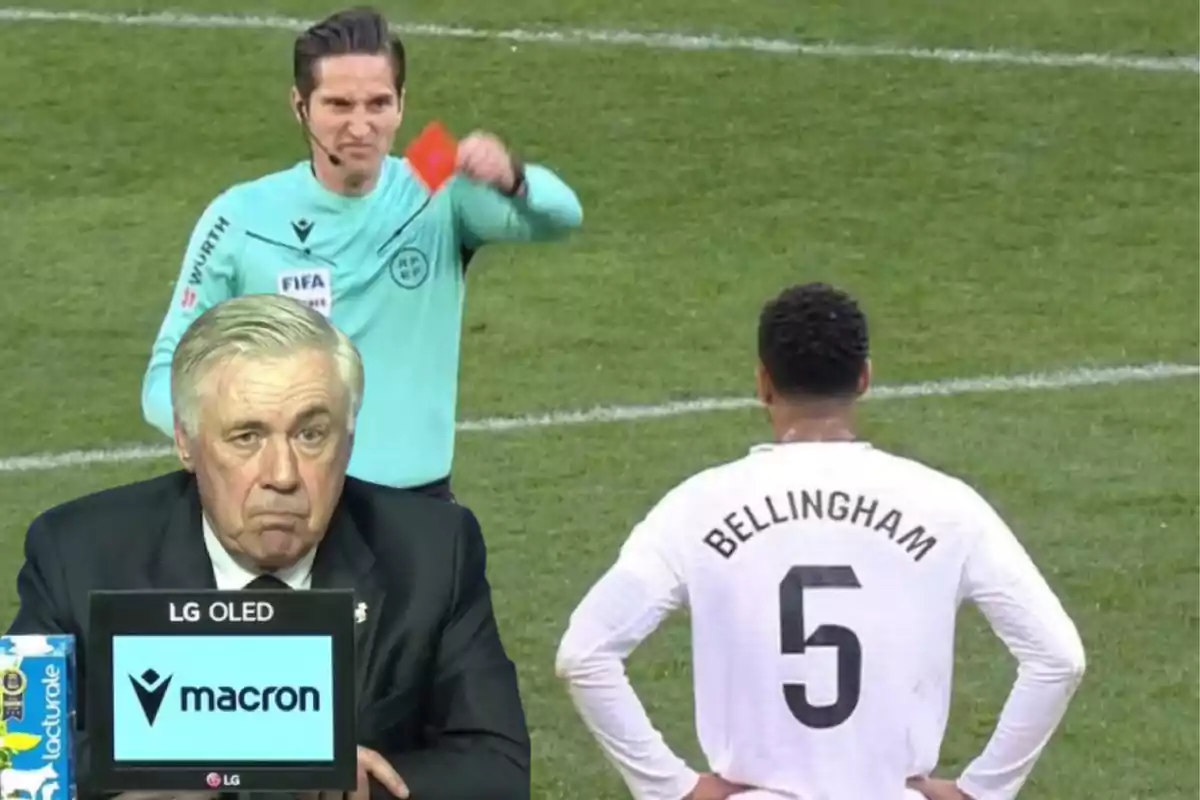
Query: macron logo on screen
{"type": "Point", "coordinates": [150, 688]}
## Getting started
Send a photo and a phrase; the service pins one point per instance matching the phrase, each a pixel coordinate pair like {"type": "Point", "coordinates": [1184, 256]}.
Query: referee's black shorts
{"type": "Point", "coordinates": [439, 489]}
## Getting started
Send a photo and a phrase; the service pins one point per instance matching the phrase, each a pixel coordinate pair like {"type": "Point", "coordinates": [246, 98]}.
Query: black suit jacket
{"type": "Point", "coordinates": [437, 694]}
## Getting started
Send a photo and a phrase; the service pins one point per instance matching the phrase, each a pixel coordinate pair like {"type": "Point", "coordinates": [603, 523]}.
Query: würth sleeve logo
{"type": "Point", "coordinates": [188, 301]}
{"type": "Point", "coordinates": [196, 274]}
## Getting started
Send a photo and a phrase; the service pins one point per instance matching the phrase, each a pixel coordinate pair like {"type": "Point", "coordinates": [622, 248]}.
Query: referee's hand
{"type": "Point", "coordinates": [483, 157]}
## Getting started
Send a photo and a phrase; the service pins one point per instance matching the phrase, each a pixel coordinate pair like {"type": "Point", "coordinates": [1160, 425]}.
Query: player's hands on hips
{"type": "Point", "coordinates": [370, 765]}
{"type": "Point", "coordinates": [935, 789]}
{"type": "Point", "coordinates": [483, 157]}
{"type": "Point", "coordinates": [714, 787]}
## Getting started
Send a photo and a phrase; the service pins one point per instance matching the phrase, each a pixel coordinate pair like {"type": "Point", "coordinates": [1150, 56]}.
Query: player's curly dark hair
{"type": "Point", "coordinates": [812, 340]}
{"type": "Point", "coordinates": [359, 31]}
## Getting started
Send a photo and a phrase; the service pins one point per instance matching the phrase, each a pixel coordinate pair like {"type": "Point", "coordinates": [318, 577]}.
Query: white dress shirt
{"type": "Point", "coordinates": [230, 574]}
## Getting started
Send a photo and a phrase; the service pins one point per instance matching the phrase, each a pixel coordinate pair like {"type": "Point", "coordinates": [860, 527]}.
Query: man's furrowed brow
{"type": "Point", "coordinates": [313, 413]}
{"type": "Point", "coordinates": [308, 415]}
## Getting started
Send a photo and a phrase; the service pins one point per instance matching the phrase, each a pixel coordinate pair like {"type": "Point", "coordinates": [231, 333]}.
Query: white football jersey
{"type": "Point", "coordinates": [823, 581]}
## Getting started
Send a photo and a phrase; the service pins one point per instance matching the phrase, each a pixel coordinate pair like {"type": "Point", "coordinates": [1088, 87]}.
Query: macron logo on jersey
{"type": "Point", "coordinates": [313, 287]}
{"type": "Point", "coordinates": [302, 228]}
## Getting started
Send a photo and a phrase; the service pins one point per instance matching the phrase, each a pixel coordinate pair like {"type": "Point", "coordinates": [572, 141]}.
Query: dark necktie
{"type": "Point", "coordinates": [263, 582]}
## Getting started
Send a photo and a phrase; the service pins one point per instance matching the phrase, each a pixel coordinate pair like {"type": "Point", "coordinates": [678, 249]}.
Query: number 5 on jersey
{"type": "Point", "coordinates": [794, 642]}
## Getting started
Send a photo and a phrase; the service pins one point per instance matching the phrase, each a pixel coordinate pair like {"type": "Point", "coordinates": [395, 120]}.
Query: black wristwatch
{"type": "Point", "coordinates": [518, 168]}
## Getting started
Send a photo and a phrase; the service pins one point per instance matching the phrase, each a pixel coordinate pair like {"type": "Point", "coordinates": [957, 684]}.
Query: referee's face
{"type": "Point", "coordinates": [355, 110]}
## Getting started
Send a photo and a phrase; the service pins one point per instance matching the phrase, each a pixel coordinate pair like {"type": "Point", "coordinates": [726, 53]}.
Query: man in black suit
{"type": "Point", "coordinates": [266, 392]}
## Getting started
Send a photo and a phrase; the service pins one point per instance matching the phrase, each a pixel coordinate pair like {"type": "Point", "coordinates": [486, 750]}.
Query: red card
{"type": "Point", "coordinates": [433, 155]}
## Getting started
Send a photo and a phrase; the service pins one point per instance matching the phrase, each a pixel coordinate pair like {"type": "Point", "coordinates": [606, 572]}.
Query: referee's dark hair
{"type": "Point", "coordinates": [813, 344]}
{"type": "Point", "coordinates": [355, 31]}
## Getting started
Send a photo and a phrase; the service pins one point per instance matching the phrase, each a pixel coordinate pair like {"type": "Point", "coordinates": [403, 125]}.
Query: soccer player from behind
{"type": "Point", "coordinates": [353, 232]}
{"type": "Point", "coordinates": [823, 576]}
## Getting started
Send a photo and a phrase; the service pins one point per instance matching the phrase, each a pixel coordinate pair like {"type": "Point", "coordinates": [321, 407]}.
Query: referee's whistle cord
{"type": "Point", "coordinates": [407, 222]}
{"type": "Point", "coordinates": [305, 251]}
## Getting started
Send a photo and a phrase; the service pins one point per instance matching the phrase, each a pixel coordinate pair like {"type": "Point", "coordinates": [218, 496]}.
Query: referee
{"type": "Point", "coordinates": [354, 233]}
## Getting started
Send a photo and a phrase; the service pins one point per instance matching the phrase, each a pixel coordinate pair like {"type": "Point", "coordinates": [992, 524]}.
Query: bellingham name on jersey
{"type": "Point", "coordinates": [806, 505]}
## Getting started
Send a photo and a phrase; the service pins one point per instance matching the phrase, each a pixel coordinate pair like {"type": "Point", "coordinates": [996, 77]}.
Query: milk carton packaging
{"type": "Point", "coordinates": [37, 717]}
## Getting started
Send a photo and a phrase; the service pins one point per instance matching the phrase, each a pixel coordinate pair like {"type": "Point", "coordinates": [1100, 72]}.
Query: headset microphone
{"type": "Point", "coordinates": [333, 159]}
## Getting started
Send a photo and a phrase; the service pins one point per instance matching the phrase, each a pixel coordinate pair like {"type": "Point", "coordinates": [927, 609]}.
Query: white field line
{"type": "Point", "coordinates": [665, 40]}
{"type": "Point", "coordinates": [1082, 376]}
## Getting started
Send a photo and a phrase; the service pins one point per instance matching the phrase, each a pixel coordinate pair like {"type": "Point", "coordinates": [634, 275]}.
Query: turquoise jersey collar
{"type": "Point", "coordinates": [329, 199]}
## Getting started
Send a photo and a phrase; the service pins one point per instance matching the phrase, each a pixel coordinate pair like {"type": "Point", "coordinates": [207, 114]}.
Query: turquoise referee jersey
{"type": "Point", "coordinates": [387, 268]}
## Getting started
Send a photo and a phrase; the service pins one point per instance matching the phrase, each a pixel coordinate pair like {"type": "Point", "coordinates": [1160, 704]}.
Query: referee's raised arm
{"type": "Point", "coordinates": [206, 277]}
{"type": "Point", "coordinates": [360, 235]}
{"type": "Point", "coordinates": [500, 199]}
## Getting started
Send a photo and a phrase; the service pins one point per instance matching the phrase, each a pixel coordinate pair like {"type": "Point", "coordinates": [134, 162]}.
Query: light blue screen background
{"type": "Point", "coordinates": [223, 736]}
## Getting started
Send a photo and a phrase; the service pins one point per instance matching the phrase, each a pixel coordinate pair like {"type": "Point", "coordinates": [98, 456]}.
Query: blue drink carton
{"type": "Point", "coordinates": [37, 717]}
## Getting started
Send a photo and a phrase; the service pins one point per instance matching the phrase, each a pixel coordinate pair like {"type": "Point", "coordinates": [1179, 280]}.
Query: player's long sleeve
{"type": "Point", "coordinates": [206, 278]}
{"type": "Point", "coordinates": [1023, 610]}
{"type": "Point", "coordinates": [624, 607]}
{"type": "Point", "coordinates": [548, 209]}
